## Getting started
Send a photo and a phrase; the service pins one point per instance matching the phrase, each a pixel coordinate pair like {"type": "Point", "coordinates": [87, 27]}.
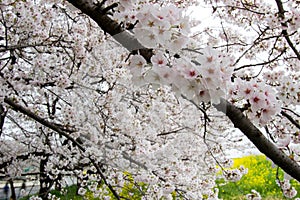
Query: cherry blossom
{"type": "Point", "coordinates": [254, 195]}
{"type": "Point", "coordinates": [76, 102]}
{"type": "Point", "coordinates": [159, 60]}
{"type": "Point", "coordinates": [288, 190]}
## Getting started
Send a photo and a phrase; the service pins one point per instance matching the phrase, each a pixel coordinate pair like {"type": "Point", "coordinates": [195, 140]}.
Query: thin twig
{"type": "Point", "coordinates": [197, 106]}
{"type": "Point", "coordinates": [291, 119]}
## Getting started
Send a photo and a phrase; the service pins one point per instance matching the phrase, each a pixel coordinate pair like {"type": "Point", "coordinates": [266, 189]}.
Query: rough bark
{"type": "Point", "coordinates": [110, 26]}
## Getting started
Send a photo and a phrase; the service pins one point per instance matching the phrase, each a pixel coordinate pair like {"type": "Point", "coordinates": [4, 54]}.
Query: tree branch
{"type": "Point", "coordinates": [290, 118]}
{"type": "Point", "coordinates": [2, 117]}
{"type": "Point", "coordinates": [22, 157]}
{"type": "Point", "coordinates": [292, 111]}
{"type": "Point", "coordinates": [241, 122]}
{"type": "Point", "coordinates": [284, 32]}
{"type": "Point", "coordinates": [261, 63]}
{"type": "Point", "coordinates": [111, 27]}
{"type": "Point", "coordinates": [57, 129]}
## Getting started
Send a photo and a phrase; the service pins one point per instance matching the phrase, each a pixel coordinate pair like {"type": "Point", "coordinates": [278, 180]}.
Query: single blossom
{"type": "Point", "coordinates": [159, 60]}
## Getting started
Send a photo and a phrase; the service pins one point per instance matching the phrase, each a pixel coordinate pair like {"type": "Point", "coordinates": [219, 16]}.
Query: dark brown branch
{"type": "Point", "coordinates": [290, 118]}
{"type": "Point", "coordinates": [239, 8]}
{"type": "Point", "coordinates": [288, 40]}
{"type": "Point", "coordinates": [262, 63]}
{"type": "Point", "coordinates": [241, 122]}
{"type": "Point", "coordinates": [2, 117]}
{"type": "Point", "coordinates": [255, 43]}
{"type": "Point", "coordinates": [22, 157]}
{"type": "Point", "coordinates": [111, 27]}
{"type": "Point", "coordinates": [57, 128]}
{"type": "Point", "coordinates": [284, 32]}
{"type": "Point", "coordinates": [199, 108]}
{"type": "Point", "coordinates": [170, 132]}
{"type": "Point", "coordinates": [269, 134]}
{"type": "Point", "coordinates": [284, 108]}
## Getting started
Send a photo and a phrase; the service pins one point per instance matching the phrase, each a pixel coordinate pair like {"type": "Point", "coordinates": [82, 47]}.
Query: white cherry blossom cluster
{"type": "Point", "coordinates": [289, 91]}
{"type": "Point", "coordinates": [162, 26]}
{"type": "Point", "coordinates": [52, 197]}
{"type": "Point", "coordinates": [235, 174]}
{"type": "Point", "coordinates": [260, 97]}
{"type": "Point", "coordinates": [288, 190]}
{"type": "Point", "coordinates": [204, 79]}
{"type": "Point", "coordinates": [82, 191]}
{"type": "Point", "coordinates": [292, 16]}
{"type": "Point", "coordinates": [287, 137]}
{"type": "Point", "coordinates": [287, 86]}
{"type": "Point", "coordinates": [254, 195]}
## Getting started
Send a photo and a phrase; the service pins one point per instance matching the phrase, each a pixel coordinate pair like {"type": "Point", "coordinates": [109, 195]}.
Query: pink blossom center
{"type": "Point", "coordinates": [160, 62]}
{"type": "Point", "coordinates": [211, 71]}
{"type": "Point", "coordinates": [192, 73]}
{"type": "Point", "coordinates": [247, 91]}
{"type": "Point", "coordinates": [209, 59]}
{"type": "Point", "coordinates": [256, 99]}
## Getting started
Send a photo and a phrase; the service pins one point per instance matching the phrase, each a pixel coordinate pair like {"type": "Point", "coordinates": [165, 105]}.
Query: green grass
{"type": "Point", "coordinates": [261, 177]}
{"type": "Point", "coordinates": [70, 194]}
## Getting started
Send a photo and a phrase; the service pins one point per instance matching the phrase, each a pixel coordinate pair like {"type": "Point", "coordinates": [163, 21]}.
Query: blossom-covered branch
{"type": "Point", "coordinates": [234, 114]}
{"type": "Point", "coordinates": [285, 33]}
{"type": "Point", "coordinates": [58, 129]}
{"type": "Point", "coordinates": [241, 122]}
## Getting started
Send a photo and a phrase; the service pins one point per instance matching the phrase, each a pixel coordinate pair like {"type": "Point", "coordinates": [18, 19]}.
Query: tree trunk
{"type": "Point", "coordinates": [2, 117]}
{"type": "Point", "coordinates": [12, 190]}
{"type": "Point", "coordinates": [44, 180]}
